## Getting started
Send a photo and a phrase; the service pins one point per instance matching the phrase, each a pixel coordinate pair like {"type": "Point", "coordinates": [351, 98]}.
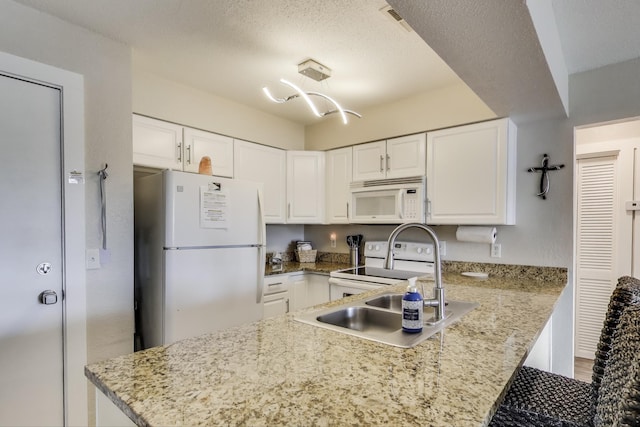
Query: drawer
{"type": "Point", "coordinates": [275, 285]}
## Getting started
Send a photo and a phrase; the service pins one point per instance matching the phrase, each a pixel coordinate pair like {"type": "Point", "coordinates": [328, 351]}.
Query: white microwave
{"type": "Point", "coordinates": [388, 201]}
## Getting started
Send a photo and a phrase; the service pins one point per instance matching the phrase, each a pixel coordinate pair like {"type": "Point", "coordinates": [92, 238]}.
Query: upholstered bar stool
{"type": "Point", "coordinates": [539, 398]}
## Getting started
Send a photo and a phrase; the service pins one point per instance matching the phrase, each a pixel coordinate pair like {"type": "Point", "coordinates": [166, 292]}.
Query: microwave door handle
{"type": "Point", "coordinates": [401, 204]}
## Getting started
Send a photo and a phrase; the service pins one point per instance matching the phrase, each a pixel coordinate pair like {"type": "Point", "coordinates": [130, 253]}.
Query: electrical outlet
{"type": "Point", "coordinates": [332, 239]}
{"type": "Point", "coordinates": [92, 259]}
{"type": "Point", "coordinates": [443, 248]}
{"type": "Point", "coordinates": [496, 250]}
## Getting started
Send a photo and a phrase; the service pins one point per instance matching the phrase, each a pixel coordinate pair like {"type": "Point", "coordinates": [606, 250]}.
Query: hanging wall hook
{"type": "Point", "coordinates": [103, 172]}
{"type": "Point", "coordinates": [544, 178]}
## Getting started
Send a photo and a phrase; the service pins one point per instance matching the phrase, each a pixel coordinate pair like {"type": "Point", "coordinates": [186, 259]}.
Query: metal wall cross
{"type": "Point", "coordinates": [544, 178]}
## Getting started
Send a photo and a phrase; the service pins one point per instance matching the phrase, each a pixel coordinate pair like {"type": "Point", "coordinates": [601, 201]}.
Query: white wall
{"type": "Point", "coordinates": [444, 107]}
{"type": "Point", "coordinates": [105, 65]}
{"type": "Point", "coordinates": [164, 99]}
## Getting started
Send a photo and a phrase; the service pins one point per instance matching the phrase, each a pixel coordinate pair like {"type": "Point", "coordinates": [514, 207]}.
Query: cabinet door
{"type": "Point", "coordinates": [369, 161]}
{"type": "Point", "coordinates": [305, 187]}
{"type": "Point", "coordinates": [471, 174]}
{"type": "Point", "coordinates": [276, 304]}
{"type": "Point", "coordinates": [219, 148]}
{"type": "Point", "coordinates": [406, 156]}
{"type": "Point", "coordinates": [317, 289]}
{"type": "Point", "coordinates": [255, 162]}
{"type": "Point", "coordinates": [299, 291]}
{"type": "Point", "coordinates": [156, 144]}
{"type": "Point", "coordinates": [338, 172]}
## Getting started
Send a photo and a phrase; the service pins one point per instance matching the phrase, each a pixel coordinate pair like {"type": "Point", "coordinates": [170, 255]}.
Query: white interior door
{"type": "Point", "coordinates": [602, 246]}
{"type": "Point", "coordinates": [31, 334]}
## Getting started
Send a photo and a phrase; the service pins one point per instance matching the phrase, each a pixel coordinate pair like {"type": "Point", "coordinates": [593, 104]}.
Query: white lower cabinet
{"type": "Point", "coordinates": [540, 354]}
{"type": "Point", "coordinates": [294, 291]}
{"type": "Point", "coordinates": [317, 289]}
{"type": "Point", "coordinates": [108, 414]}
{"type": "Point", "coordinates": [276, 304]}
{"type": "Point", "coordinates": [299, 291]}
{"type": "Point", "coordinates": [276, 296]}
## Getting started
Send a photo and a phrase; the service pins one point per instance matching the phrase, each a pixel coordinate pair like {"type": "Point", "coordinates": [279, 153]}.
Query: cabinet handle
{"type": "Point", "coordinates": [287, 301]}
{"type": "Point", "coordinates": [347, 210]}
{"type": "Point", "coordinates": [289, 211]}
{"type": "Point", "coordinates": [381, 160]}
{"type": "Point", "coordinates": [388, 163]}
{"type": "Point", "coordinates": [180, 152]}
{"type": "Point", "coordinates": [188, 154]}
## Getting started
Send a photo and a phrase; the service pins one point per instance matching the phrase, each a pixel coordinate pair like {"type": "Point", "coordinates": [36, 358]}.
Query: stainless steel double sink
{"type": "Point", "coordinates": [379, 318]}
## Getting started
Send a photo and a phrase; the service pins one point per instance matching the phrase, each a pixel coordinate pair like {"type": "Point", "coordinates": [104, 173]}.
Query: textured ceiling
{"type": "Point", "coordinates": [232, 48]}
{"type": "Point", "coordinates": [492, 45]}
{"type": "Point", "coordinates": [595, 33]}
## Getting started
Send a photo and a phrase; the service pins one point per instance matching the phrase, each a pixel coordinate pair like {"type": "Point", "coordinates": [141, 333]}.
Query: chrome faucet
{"type": "Point", "coordinates": [438, 291]}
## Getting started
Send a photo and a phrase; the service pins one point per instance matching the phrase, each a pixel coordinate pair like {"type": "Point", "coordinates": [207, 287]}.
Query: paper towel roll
{"type": "Point", "coordinates": [476, 234]}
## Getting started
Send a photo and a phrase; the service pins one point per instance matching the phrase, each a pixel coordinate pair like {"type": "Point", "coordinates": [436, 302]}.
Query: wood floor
{"type": "Point", "coordinates": [583, 368]}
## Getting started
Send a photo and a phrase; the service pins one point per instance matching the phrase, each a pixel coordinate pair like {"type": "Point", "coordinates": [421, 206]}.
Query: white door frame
{"type": "Point", "coordinates": [71, 87]}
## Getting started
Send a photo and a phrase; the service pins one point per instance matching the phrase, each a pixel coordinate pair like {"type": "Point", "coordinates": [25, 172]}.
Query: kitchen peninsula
{"type": "Point", "coordinates": [282, 372]}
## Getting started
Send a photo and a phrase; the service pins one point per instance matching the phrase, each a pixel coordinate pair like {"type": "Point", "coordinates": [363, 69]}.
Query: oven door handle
{"type": "Point", "coordinates": [354, 283]}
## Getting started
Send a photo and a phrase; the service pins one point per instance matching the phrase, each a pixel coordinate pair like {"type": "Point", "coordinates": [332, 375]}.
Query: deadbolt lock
{"type": "Point", "coordinates": [48, 297]}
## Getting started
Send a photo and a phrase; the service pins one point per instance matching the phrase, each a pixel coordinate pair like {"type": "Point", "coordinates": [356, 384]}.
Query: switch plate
{"type": "Point", "coordinates": [496, 250]}
{"type": "Point", "coordinates": [92, 259]}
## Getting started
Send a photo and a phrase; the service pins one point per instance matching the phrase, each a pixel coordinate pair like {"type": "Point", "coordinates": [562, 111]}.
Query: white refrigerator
{"type": "Point", "coordinates": [200, 243]}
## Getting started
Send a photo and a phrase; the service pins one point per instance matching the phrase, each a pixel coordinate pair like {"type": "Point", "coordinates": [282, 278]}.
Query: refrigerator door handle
{"type": "Point", "coordinates": [262, 242]}
{"type": "Point", "coordinates": [261, 271]}
{"type": "Point", "coordinates": [261, 222]}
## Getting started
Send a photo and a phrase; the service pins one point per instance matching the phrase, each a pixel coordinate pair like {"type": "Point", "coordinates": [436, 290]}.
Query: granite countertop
{"type": "Point", "coordinates": [282, 372]}
{"type": "Point", "coordinates": [309, 267]}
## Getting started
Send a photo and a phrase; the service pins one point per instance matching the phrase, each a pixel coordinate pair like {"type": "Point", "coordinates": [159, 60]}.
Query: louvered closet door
{"type": "Point", "coordinates": [596, 248]}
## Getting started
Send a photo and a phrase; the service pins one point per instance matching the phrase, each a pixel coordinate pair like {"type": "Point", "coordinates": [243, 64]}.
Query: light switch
{"type": "Point", "coordinates": [92, 259]}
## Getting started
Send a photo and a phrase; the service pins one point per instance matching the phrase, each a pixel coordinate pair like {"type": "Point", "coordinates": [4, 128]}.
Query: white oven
{"type": "Point", "coordinates": [388, 201]}
{"type": "Point", "coordinates": [411, 260]}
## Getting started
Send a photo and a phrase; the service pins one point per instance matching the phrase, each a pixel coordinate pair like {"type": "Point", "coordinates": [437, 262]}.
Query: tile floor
{"type": "Point", "coordinates": [583, 369]}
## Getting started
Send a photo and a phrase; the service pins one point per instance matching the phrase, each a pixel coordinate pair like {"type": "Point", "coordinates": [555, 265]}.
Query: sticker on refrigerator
{"type": "Point", "coordinates": [214, 207]}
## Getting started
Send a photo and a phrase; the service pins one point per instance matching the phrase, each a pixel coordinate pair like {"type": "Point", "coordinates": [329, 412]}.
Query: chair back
{"type": "Point", "coordinates": [627, 292]}
{"type": "Point", "coordinates": [618, 400]}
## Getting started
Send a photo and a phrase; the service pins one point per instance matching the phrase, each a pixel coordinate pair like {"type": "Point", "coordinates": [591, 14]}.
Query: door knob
{"type": "Point", "coordinates": [48, 297]}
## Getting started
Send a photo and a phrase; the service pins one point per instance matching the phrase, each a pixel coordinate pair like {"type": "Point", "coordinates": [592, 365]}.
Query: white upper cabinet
{"type": "Point", "coordinates": [338, 174]}
{"type": "Point", "coordinates": [305, 187]}
{"type": "Point", "coordinates": [369, 161]}
{"type": "Point", "coordinates": [163, 145]}
{"type": "Point", "coordinates": [156, 144]}
{"type": "Point", "coordinates": [471, 174]}
{"type": "Point", "coordinates": [268, 165]}
{"type": "Point", "coordinates": [219, 148]}
{"type": "Point", "coordinates": [394, 158]}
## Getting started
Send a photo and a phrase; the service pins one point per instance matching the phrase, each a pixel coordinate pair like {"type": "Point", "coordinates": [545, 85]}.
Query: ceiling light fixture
{"type": "Point", "coordinates": [318, 72]}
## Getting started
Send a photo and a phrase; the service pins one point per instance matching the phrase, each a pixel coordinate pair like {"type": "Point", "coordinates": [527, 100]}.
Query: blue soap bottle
{"type": "Point", "coordinates": [412, 309]}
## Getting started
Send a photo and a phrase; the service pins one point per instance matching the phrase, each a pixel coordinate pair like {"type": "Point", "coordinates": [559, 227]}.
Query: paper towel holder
{"type": "Point", "coordinates": [544, 178]}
